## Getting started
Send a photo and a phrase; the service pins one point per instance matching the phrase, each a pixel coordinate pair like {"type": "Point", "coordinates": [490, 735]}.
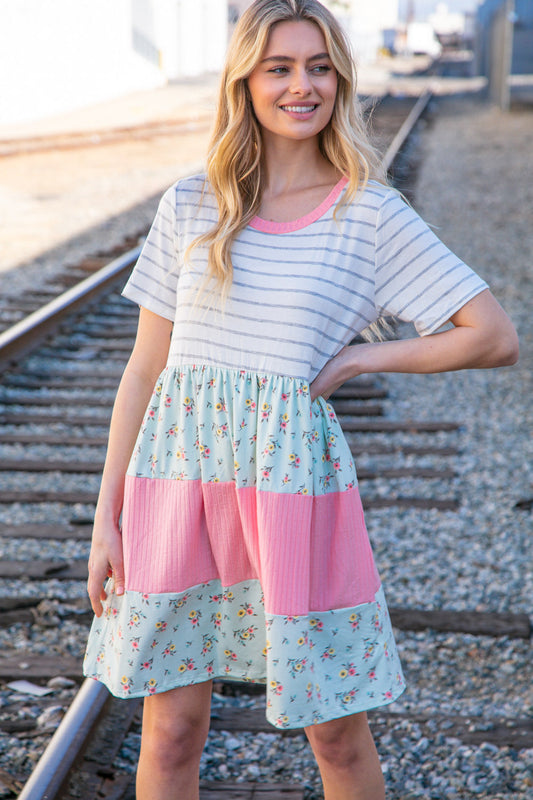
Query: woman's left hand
{"type": "Point", "coordinates": [332, 375]}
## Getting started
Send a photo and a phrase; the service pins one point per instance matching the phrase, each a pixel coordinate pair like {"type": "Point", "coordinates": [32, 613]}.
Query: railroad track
{"type": "Point", "coordinates": [97, 138]}
{"type": "Point", "coordinates": [56, 396]}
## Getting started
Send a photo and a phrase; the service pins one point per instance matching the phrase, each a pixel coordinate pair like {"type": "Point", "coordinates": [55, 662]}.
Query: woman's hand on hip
{"type": "Point", "coordinates": [332, 375]}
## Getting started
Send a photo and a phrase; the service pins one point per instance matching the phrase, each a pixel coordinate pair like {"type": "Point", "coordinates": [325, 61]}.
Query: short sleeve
{"type": "Point", "coordinates": [418, 279]}
{"type": "Point", "coordinates": [153, 282]}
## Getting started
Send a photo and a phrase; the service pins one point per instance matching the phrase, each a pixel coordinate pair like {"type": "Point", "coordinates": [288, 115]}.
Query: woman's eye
{"type": "Point", "coordinates": [318, 69]}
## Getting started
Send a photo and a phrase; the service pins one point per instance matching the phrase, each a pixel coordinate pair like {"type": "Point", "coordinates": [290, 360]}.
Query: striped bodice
{"type": "Point", "coordinates": [301, 290]}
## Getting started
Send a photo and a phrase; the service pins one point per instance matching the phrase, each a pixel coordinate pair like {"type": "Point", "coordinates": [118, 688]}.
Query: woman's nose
{"type": "Point", "coordinates": [301, 82]}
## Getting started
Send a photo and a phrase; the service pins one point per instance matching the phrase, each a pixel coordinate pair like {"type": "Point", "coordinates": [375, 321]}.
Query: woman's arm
{"type": "Point", "coordinates": [482, 336]}
{"type": "Point", "coordinates": [147, 360]}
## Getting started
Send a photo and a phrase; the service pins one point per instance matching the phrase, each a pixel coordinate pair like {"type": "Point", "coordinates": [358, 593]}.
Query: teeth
{"type": "Point", "coordinates": [299, 109]}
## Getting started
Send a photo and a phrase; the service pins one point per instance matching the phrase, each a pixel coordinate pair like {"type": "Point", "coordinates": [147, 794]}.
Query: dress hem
{"type": "Point", "coordinates": [278, 723]}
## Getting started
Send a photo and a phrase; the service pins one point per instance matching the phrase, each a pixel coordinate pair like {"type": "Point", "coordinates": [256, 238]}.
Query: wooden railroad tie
{"type": "Point", "coordinates": [477, 623]}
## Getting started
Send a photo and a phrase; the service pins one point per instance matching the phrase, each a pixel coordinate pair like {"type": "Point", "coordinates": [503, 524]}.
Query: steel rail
{"type": "Point", "coordinates": [65, 746]}
{"type": "Point", "coordinates": [406, 129]}
{"type": "Point", "coordinates": [67, 742]}
{"type": "Point", "coordinates": [99, 137]}
{"type": "Point", "coordinates": [21, 336]}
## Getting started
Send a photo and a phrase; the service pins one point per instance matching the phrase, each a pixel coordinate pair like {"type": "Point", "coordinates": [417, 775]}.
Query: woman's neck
{"type": "Point", "coordinates": [294, 165]}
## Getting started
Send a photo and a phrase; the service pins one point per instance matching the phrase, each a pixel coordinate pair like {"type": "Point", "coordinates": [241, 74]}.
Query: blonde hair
{"type": "Point", "coordinates": [234, 162]}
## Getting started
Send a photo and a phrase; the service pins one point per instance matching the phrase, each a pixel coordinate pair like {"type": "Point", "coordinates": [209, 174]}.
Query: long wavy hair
{"type": "Point", "coordinates": [235, 165]}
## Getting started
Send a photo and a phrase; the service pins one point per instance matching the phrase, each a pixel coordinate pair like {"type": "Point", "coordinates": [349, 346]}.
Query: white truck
{"type": "Point", "coordinates": [421, 40]}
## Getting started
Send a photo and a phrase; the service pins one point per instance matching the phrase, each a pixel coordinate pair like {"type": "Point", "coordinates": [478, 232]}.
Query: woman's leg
{"type": "Point", "coordinates": [174, 731]}
{"type": "Point", "coordinates": [347, 759]}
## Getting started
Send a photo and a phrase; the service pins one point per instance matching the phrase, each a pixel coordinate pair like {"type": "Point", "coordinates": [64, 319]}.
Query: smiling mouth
{"type": "Point", "coordinates": [300, 109]}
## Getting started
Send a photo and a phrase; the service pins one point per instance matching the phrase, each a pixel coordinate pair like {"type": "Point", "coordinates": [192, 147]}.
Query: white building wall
{"type": "Point", "coordinates": [365, 22]}
{"type": "Point", "coordinates": [216, 33]}
{"type": "Point", "coordinates": [58, 55]}
{"type": "Point", "coordinates": [202, 35]}
{"type": "Point", "coordinates": [368, 21]}
{"type": "Point", "coordinates": [187, 37]}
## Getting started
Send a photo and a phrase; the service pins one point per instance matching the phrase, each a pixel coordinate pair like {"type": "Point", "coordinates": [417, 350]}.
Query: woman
{"type": "Point", "coordinates": [242, 550]}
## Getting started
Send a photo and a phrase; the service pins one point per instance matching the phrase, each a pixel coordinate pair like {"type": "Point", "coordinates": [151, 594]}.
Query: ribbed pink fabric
{"type": "Point", "coordinates": [309, 553]}
{"type": "Point", "coordinates": [343, 572]}
{"type": "Point", "coordinates": [282, 522]}
{"type": "Point", "coordinates": [166, 541]}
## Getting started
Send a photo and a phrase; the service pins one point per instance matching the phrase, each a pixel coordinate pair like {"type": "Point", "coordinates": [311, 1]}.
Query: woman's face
{"type": "Point", "coordinates": [294, 85]}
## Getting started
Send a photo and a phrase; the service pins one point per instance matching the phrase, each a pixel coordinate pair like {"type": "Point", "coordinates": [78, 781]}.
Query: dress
{"type": "Point", "coordinates": [246, 552]}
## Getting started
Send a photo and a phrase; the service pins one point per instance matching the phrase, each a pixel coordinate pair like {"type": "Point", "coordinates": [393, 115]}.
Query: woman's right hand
{"type": "Point", "coordinates": [105, 561]}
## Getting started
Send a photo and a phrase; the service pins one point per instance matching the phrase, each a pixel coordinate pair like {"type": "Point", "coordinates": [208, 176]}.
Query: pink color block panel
{"type": "Point", "coordinates": [280, 547]}
{"type": "Point", "coordinates": [166, 539]}
{"type": "Point", "coordinates": [228, 543]}
{"type": "Point", "coordinates": [309, 553]}
{"type": "Point", "coordinates": [343, 572]}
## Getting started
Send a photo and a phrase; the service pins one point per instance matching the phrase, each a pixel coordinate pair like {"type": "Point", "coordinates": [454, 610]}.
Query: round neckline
{"type": "Point", "coordinates": [268, 226]}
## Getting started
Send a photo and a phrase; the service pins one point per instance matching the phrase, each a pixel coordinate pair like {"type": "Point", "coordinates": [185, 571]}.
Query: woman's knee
{"type": "Point", "coordinates": [174, 745]}
{"type": "Point", "coordinates": [341, 742]}
{"type": "Point", "coordinates": [174, 728]}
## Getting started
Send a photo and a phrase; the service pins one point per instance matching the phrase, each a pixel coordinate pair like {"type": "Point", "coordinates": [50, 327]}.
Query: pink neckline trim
{"type": "Point", "coordinates": [268, 226]}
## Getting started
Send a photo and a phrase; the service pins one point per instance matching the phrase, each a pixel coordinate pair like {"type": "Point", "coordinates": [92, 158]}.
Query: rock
{"type": "Point", "coordinates": [51, 717]}
{"type": "Point", "coordinates": [61, 682]}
